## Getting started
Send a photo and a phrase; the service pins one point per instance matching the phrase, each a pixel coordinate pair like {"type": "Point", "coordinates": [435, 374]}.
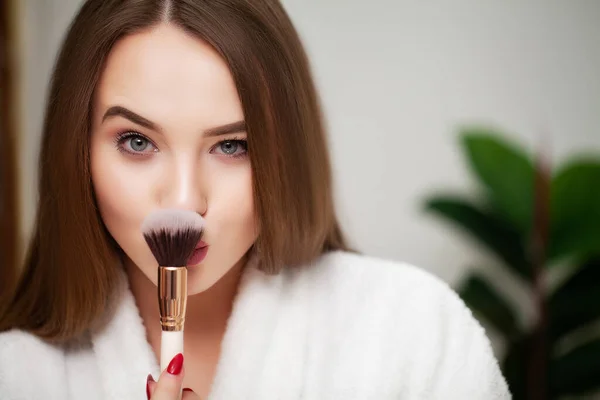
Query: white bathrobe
{"type": "Point", "coordinates": [346, 327]}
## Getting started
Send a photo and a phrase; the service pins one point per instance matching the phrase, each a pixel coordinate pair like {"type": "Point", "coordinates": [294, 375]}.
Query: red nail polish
{"type": "Point", "coordinates": [187, 390]}
{"type": "Point", "coordinates": [175, 365]}
{"type": "Point", "coordinates": [148, 379]}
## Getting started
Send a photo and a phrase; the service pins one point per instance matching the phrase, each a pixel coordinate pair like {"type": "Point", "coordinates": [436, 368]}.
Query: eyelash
{"type": "Point", "coordinates": [122, 137]}
{"type": "Point", "coordinates": [239, 141]}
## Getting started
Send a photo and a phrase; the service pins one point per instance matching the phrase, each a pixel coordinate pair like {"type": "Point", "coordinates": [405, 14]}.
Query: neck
{"type": "Point", "coordinates": [207, 312]}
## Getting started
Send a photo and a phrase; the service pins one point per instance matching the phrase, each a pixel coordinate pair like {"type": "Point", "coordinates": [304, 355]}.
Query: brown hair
{"type": "Point", "coordinates": [9, 217]}
{"type": "Point", "coordinates": [71, 266]}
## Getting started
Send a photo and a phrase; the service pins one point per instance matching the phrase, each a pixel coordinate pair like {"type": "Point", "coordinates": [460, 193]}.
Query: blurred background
{"type": "Point", "coordinates": [465, 138]}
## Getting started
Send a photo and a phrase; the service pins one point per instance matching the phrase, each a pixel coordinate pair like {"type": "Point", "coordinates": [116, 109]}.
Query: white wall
{"type": "Point", "coordinates": [397, 78]}
{"type": "Point", "coordinates": [44, 22]}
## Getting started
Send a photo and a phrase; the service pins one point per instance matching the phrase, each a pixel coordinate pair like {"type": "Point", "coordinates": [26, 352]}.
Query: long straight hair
{"type": "Point", "coordinates": [72, 267]}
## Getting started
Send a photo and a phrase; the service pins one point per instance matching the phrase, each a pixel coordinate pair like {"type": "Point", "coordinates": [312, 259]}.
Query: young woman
{"type": "Point", "coordinates": [209, 106]}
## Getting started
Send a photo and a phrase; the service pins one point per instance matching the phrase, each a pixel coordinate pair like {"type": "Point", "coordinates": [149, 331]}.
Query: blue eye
{"type": "Point", "coordinates": [232, 148]}
{"type": "Point", "coordinates": [138, 143]}
{"type": "Point", "coordinates": [134, 143]}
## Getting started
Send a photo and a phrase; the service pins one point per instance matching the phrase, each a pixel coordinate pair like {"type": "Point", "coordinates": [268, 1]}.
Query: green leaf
{"type": "Point", "coordinates": [483, 300]}
{"type": "Point", "coordinates": [576, 303]}
{"type": "Point", "coordinates": [575, 210]}
{"type": "Point", "coordinates": [505, 171]}
{"type": "Point", "coordinates": [486, 228]}
{"type": "Point", "coordinates": [578, 371]}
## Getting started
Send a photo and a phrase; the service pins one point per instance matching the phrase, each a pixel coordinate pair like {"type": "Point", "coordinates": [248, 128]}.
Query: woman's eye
{"type": "Point", "coordinates": [135, 143]}
{"type": "Point", "coordinates": [138, 144]}
{"type": "Point", "coordinates": [232, 148]}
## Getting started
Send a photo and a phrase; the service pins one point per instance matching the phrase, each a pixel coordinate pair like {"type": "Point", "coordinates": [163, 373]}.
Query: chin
{"type": "Point", "coordinates": [201, 278]}
{"type": "Point", "coordinates": [197, 286]}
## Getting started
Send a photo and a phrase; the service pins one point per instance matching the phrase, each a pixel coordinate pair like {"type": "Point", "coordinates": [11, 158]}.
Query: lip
{"type": "Point", "coordinates": [198, 255]}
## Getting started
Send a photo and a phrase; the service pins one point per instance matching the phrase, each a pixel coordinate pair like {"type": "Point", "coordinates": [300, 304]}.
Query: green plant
{"type": "Point", "coordinates": [535, 221]}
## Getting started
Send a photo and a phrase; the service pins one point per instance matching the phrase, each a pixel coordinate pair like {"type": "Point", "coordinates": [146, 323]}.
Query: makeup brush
{"type": "Point", "coordinates": [172, 236]}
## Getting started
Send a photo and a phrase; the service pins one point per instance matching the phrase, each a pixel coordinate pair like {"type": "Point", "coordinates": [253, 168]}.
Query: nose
{"type": "Point", "coordinates": [182, 187]}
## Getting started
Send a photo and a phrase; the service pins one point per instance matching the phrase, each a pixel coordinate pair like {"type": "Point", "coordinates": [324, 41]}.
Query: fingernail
{"type": "Point", "coordinates": [175, 365]}
{"type": "Point", "coordinates": [187, 390]}
{"type": "Point", "coordinates": [148, 379]}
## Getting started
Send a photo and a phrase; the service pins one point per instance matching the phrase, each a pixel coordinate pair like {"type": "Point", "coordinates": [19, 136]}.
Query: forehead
{"type": "Point", "coordinates": [168, 74]}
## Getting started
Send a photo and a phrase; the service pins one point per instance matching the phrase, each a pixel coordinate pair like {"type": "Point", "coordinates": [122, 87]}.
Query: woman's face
{"type": "Point", "coordinates": [168, 132]}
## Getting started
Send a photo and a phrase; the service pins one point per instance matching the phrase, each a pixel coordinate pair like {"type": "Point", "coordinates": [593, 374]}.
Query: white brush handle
{"type": "Point", "coordinates": [171, 344]}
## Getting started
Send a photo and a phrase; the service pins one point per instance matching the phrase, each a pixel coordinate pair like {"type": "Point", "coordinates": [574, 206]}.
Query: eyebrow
{"type": "Point", "coordinates": [234, 127]}
{"type": "Point", "coordinates": [120, 111]}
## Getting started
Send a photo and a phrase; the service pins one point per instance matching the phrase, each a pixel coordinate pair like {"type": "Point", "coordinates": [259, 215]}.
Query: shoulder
{"type": "Point", "coordinates": [16, 344]}
{"type": "Point", "coordinates": [353, 274]}
{"type": "Point", "coordinates": [418, 322]}
{"type": "Point", "coordinates": [29, 367]}
{"type": "Point", "coordinates": [402, 289]}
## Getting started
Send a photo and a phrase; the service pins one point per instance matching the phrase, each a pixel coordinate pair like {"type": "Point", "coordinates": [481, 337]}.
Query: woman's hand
{"type": "Point", "coordinates": [169, 383]}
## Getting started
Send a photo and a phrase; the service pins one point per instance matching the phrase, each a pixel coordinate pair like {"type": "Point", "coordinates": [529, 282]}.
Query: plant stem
{"type": "Point", "coordinates": [538, 365]}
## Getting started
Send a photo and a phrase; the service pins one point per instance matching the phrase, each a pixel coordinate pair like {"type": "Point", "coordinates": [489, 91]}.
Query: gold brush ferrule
{"type": "Point", "coordinates": [172, 297]}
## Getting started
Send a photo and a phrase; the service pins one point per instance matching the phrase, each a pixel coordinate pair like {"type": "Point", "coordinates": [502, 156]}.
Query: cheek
{"type": "Point", "coordinates": [231, 207]}
{"type": "Point", "coordinates": [119, 193]}
{"type": "Point", "coordinates": [123, 200]}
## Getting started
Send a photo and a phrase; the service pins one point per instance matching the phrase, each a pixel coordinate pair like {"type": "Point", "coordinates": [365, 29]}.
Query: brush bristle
{"type": "Point", "coordinates": [172, 235]}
